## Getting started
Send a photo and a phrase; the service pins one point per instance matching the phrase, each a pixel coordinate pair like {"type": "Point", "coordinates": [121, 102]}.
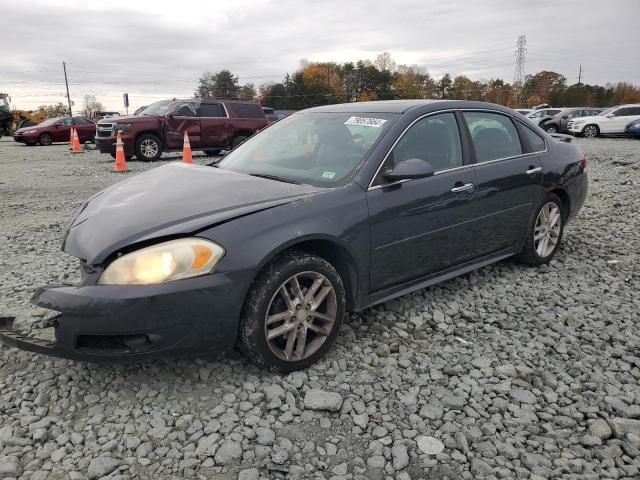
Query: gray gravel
{"type": "Point", "coordinates": [508, 372]}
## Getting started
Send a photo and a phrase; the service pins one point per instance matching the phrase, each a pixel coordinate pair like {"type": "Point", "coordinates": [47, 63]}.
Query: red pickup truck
{"type": "Point", "coordinates": [212, 125]}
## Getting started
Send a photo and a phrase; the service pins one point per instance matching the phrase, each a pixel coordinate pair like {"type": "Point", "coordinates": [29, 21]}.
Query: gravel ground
{"type": "Point", "coordinates": [508, 372]}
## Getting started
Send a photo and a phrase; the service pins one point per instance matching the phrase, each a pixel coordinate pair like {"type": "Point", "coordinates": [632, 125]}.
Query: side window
{"type": "Point", "coordinates": [634, 111]}
{"type": "Point", "coordinates": [247, 110]}
{"type": "Point", "coordinates": [81, 121]}
{"type": "Point", "coordinates": [434, 139]}
{"type": "Point", "coordinates": [494, 136]}
{"type": "Point", "coordinates": [535, 141]}
{"type": "Point", "coordinates": [621, 112]}
{"type": "Point", "coordinates": [186, 110]}
{"type": "Point", "coordinates": [212, 110]}
{"type": "Point", "coordinates": [66, 121]}
{"type": "Point", "coordinates": [536, 115]}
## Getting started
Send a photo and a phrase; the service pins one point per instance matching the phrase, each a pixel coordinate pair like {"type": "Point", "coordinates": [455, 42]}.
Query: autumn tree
{"type": "Point", "coordinates": [57, 110]}
{"type": "Point", "coordinates": [444, 86]}
{"type": "Point", "coordinates": [546, 85]}
{"type": "Point", "coordinates": [248, 91]}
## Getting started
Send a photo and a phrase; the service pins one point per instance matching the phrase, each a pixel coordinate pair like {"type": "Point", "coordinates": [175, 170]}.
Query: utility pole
{"type": "Point", "coordinates": [518, 76]}
{"type": "Point", "coordinates": [66, 82]}
{"type": "Point", "coordinates": [580, 76]}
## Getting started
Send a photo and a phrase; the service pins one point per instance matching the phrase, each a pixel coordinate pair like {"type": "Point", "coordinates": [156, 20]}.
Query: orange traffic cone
{"type": "Point", "coordinates": [186, 149]}
{"type": "Point", "coordinates": [76, 143]}
{"type": "Point", "coordinates": [121, 162]}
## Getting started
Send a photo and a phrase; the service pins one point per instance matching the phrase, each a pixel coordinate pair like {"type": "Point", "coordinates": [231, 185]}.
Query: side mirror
{"type": "Point", "coordinates": [611, 115]}
{"type": "Point", "coordinates": [409, 169]}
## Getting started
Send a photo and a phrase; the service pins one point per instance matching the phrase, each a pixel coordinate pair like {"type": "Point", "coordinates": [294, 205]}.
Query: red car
{"type": "Point", "coordinates": [56, 130]}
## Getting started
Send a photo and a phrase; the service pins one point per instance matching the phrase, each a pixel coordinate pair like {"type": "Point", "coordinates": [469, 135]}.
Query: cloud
{"type": "Point", "coordinates": [156, 49]}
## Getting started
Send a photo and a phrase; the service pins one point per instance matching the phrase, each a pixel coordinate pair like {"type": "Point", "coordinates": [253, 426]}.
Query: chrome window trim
{"type": "Point", "coordinates": [226, 112]}
{"type": "Point", "coordinates": [461, 110]}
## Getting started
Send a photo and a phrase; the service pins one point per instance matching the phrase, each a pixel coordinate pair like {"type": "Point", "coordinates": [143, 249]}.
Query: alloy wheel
{"type": "Point", "coordinates": [149, 148]}
{"type": "Point", "coordinates": [546, 233]}
{"type": "Point", "coordinates": [590, 131]}
{"type": "Point", "coordinates": [45, 139]}
{"type": "Point", "coordinates": [551, 129]}
{"type": "Point", "coordinates": [301, 315]}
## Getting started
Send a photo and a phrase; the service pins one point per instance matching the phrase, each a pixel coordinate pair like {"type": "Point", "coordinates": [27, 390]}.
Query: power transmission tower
{"type": "Point", "coordinates": [518, 76]}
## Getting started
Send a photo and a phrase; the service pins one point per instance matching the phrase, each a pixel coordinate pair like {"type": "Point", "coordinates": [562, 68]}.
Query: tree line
{"type": "Point", "coordinates": [320, 83]}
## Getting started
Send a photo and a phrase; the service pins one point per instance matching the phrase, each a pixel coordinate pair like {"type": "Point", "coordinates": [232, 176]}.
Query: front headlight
{"type": "Point", "coordinates": [172, 260]}
{"type": "Point", "coordinates": [121, 127]}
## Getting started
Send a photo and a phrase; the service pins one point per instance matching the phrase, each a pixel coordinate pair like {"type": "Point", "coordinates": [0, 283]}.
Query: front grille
{"type": "Point", "coordinates": [104, 129]}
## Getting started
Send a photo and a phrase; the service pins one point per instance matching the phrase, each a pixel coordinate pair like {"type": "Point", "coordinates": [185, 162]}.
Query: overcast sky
{"type": "Point", "coordinates": [155, 49]}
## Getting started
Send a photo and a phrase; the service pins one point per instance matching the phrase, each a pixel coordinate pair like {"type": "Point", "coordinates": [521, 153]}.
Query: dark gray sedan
{"type": "Point", "coordinates": [559, 123]}
{"type": "Point", "coordinates": [332, 209]}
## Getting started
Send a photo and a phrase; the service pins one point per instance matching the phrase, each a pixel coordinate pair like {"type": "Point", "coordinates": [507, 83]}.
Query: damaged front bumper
{"type": "Point", "coordinates": [135, 322]}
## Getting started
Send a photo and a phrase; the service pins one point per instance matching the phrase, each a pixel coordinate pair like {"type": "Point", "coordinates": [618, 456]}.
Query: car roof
{"type": "Point", "coordinates": [401, 106]}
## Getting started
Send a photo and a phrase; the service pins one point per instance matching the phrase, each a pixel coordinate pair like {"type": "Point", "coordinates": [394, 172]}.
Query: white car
{"type": "Point", "coordinates": [536, 116]}
{"type": "Point", "coordinates": [610, 122]}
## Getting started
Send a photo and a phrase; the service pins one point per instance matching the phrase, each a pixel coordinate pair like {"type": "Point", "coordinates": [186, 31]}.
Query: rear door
{"type": "Point", "coordinates": [86, 129]}
{"type": "Point", "coordinates": [214, 122]}
{"type": "Point", "coordinates": [509, 179]}
{"type": "Point", "coordinates": [183, 117]}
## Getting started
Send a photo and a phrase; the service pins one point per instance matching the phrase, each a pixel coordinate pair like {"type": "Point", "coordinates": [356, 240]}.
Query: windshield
{"type": "Point", "coordinates": [4, 104]}
{"type": "Point", "coordinates": [158, 108]}
{"type": "Point", "coordinates": [607, 111]}
{"type": "Point", "coordinates": [320, 149]}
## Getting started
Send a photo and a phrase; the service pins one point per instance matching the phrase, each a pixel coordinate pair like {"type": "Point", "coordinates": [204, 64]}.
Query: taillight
{"type": "Point", "coordinates": [583, 164]}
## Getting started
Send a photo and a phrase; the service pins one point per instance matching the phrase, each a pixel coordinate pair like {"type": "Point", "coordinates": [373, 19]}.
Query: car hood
{"type": "Point", "coordinates": [176, 199]}
{"type": "Point", "coordinates": [128, 119]}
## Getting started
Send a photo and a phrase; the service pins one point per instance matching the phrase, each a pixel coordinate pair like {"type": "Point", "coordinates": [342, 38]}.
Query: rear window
{"type": "Point", "coordinates": [247, 110]}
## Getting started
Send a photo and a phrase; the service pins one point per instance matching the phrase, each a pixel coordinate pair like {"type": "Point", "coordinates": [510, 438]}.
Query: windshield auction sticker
{"type": "Point", "coordinates": [365, 122]}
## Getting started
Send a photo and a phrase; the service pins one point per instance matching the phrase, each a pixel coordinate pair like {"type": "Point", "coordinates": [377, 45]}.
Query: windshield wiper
{"type": "Point", "coordinates": [276, 177]}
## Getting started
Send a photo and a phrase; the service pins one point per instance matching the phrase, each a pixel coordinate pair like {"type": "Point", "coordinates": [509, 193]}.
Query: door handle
{"type": "Point", "coordinates": [467, 187]}
{"type": "Point", "coordinates": [533, 171]}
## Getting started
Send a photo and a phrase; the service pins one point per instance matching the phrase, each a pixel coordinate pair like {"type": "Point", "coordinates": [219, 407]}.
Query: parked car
{"type": "Point", "coordinates": [538, 116]}
{"type": "Point", "coordinates": [609, 122]}
{"type": "Point", "coordinates": [56, 130]}
{"type": "Point", "coordinates": [211, 124]}
{"type": "Point", "coordinates": [524, 111]}
{"type": "Point", "coordinates": [559, 123]}
{"type": "Point", "coordinates": [270, 113]}
{"type": "Point", "coordinates": [633, 129]}
{"type": "Point", "coordinates": [333, 209]}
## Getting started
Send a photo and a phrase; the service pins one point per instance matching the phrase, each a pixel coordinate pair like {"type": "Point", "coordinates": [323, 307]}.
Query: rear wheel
{"type": "Point", "coordinates": [148, 147]}
{"type": "Point", "coordinates": [240, 139]}
{"type": "Point", "coordinates": [591, 131]}
{"type": "Point", "coordinates": [544, 233]}
{"type": "Point", "coordinates": [292, 313]}
{"type": "Point", "coordinates": [45, 139]}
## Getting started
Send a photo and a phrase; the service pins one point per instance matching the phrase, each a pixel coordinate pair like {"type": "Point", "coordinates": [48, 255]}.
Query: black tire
{"type": "Point", "coordinates": [45, 139]}
{"type": "Point", "coordinates": [552, 128]}
{"type": "Point", "coordinates": [263, 294]}
{"type": "Point", "coordinates": [529, 253]}
{"type": "Point", "coordinates": [144, 149]}
{"type": "Point", "coordinates": [590, 131]}
{"type": "Point", "coordinates": [239, 140]}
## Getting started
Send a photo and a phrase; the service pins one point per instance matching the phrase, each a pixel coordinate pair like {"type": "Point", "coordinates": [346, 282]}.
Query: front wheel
{"type": "Point", "coordinates": [591, 131]}
{"type": "Point", "coordinates": [45, 139]}
{"type": "Point", "coordinates": [551, 128]}
{"type": "Point", "coordinates": [544, 233]}
{"type": "Point", "coordinates": [148, 147]}
{"type": "Point", "coordinates": [292, 313]}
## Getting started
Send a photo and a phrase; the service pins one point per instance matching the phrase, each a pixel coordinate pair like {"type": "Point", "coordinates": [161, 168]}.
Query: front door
{"type": "Point", "coordinates": [423, 226]}
{"type": "Point", "coordinates": [183, 118]}
{"type": "Point", "coordinates": [62, 130]}
{"type": "Point", "coordinates": [509, 180]}
{"type": "Point", "coordinates": [86, 130]}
